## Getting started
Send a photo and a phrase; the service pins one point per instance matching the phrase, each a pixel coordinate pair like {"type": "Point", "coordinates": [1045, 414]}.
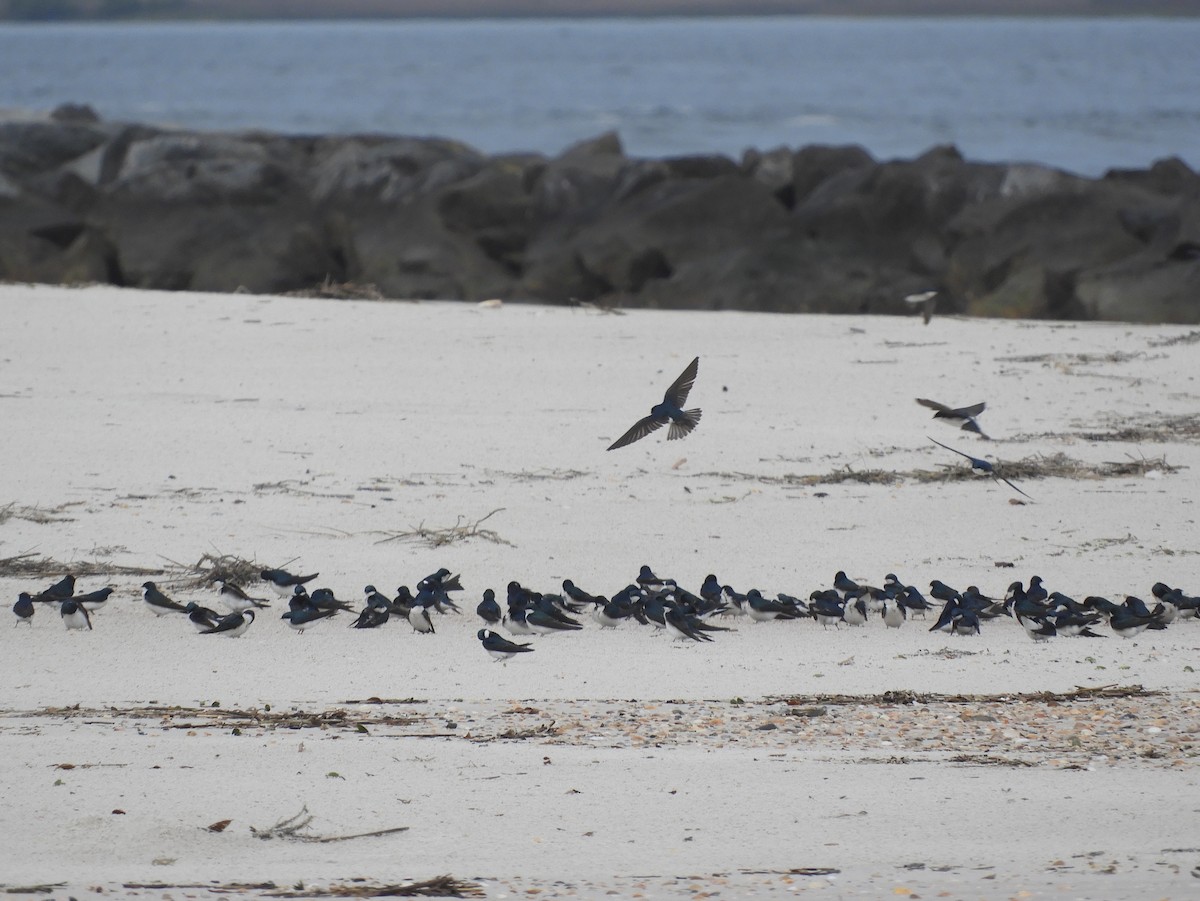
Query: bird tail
{"type": "Point", "coordinates": [684, 425]}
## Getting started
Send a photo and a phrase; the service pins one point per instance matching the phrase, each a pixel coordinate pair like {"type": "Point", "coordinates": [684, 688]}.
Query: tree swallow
{"type": "Point", "coordinates": [23, 608]}
{"type": "Point", "coordinates": [234, 625]}
{"type": "Point", "coordinates": [963, 417]}
{"type": "Point", "coordinates": [305, 617]}
{"type": "Point", "coordinates": [500, 648]}
{"type": "Point", "coordinates": [59, 591]}
{"type": "Point", "coordinates": [670, 410]}
{"type": "Point", "coordinates": [93, 600]}
{"type": "Point", "coordinates": [74, 616]}
{"type": "Point", "coordinates": [283, 581]}
{"type": "Point", "coordinates": [418, 618]}
{"type": "Point", "coordinates": [201, 617]}
{"type": "Point", "coordinates": [236, 599]}
{"type": "Point", "coordinates": [981, 466]}
{"type": "Point", "coordinates": [488, 609]}
{"type": "Point", "coordinates": [159, 602]}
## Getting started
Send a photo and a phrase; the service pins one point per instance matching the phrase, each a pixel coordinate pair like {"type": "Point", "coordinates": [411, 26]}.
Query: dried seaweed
{"type": "Point", "coordinates": [447, 535]}
{"type": "Point", "coordinates": [438, 887]}
{"type": "Point", "coordinates": [888, 698]}
{"type": "Point", "coordinates": [331, 290]}
{"type": "Point", "coordinates": [1157, 430]}
{"type": "Point", "coordinates": [213, 568]}
{"type": "Point", "coordinates": [30, 564]}
{"type": "Point", "coordinates": [36, 514]}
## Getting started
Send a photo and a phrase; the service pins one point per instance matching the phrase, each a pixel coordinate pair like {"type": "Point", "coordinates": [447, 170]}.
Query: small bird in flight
{"type": "Point", "coordinates": [981, 466]}
{"type": "Point", "coordinates": [963, 417]}
{"type": "Point", "coordinates": [670, 410]}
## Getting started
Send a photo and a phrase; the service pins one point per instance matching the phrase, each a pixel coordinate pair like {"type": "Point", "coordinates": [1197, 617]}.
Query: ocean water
{"type": "Point", "coordinates": [1081, 94]}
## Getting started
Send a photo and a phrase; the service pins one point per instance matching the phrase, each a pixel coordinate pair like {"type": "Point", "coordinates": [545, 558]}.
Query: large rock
{"type": "Point", "coordinates": [818, 228]}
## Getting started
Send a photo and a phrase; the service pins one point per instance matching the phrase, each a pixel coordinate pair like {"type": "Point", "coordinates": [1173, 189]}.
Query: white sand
{"type": "Point", "coordinates": [282, 430]}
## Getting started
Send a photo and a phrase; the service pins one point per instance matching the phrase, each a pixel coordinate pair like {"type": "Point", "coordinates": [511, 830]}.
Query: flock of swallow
{"type": "Point", "coordinates": [649, 601]}
{"type": "Point", "coordinates": [661, 603]}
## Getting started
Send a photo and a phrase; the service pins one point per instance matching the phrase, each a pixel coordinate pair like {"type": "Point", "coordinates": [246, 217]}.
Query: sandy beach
{"type": "Point", "coordinates": [143, 431]}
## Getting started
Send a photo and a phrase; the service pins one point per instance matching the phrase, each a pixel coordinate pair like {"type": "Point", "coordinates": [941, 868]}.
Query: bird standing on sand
{"type": "Point", "coordinates": [232, 626]}
{"type": "Point", "coordinates": [500, 648]}
{"type": "Point", "coordinates": [283, 581]}
{"type": "Point", "coordinates": [670, 410]}
{"type": "Point", "coordinates": [23, 608]}
{"type": "Point", "coordinates": [963, 417]}
{"type": "Point", "coordinates": [159, 602]}
{"type": "Point", "coordinates": [75, 616]}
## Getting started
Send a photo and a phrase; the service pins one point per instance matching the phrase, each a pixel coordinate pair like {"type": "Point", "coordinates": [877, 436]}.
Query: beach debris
{"type": "Point", "coordinates": [462, 530]}
{"type": "Point", "coordinates": [437, 887]}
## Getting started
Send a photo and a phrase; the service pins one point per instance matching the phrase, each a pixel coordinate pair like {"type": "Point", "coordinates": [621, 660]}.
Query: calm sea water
{"type": "Point", "coordinates": [1085, 95]}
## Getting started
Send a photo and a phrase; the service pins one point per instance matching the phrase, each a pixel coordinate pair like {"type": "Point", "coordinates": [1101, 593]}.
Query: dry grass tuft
{"type": "Point", "coordinates": [447, 535]}
{"type": "Point", "coordinates": [331, 290]}
{"type": "Point", "coordinates": [29, 564]}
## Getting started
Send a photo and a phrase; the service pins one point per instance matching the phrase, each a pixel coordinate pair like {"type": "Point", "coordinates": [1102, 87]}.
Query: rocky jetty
{"type": "Point", "coordinates": [814, 229]}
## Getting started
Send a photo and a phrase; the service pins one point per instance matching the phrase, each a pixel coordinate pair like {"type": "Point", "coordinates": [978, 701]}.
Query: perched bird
{"type": "Point", "coordinates": [306, 616]}
{"type": "Point", "coordinates": [964, 622]}
{"type": "Point", "coordinates": [418, 618]}
{"type": "Point", "coordinates": [283, 581]}
{"type": "Point", "coordinates": [843, 584]}
{"type": "Point", "coordinates": [440, 580]}
{"type": "Point", "coordinates": [500, 648]}
{"type": "Point", "coordinates": [761, 609]}
{"type": "Point", "coordinates": [159, 602]}
{"type": "Point", "coordinates": [963, 417]}
{"type": "Point", "coordinates": [544, 623]}
{"type": "Point", "coordinates": [23, 608]}
{"type": "Point", "coordinates": [236, 599]}
{"type": "Point", "coordinates": [827, 608]}
{"type": "Point", "coordinates": [324, 599]}
{"type": "Point", "coordinates": [681, 626]}
{"type": "Point", "coordinates": [670, 410]}
{"type": "Point", "coordinates": [74, 616]}
{"type": "Point", "coordinates": [893, 613]}
{"type": "Point", "coordinates": [371, 617]}
{"type": "Point", "coordinates": [912, 599]}
{"type": "Point", "coordinates": [579, 596]}
{"type": "Point", "coordinates": [854, 613]}
{"type": "Point", "coordinates": [981, 466]}
{"type": "Point", "coordinates": [488, 609]}
{"type": "Point", "coordinates": [233, 626]}
{"type": "Point", "coordinates": [201, 617]}
{"type": "Point", "coordinates": [380, 602]}
{"type": "Point", "coordinates": [93, 600]}
{"type": "Point", "coordinates": [59, 591]}
{"type": "Point", "coordinates": [648, 580]}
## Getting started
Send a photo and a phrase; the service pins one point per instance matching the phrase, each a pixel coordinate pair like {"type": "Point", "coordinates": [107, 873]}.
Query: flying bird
{"type": "Point", "coordinates": [925, 301]}
{"type": "Point", "coordinates": [981, 466]}
{"type": "Point", "coordinates": [963, 417]}
{"type": "Point", "coordinates": [670, 410]}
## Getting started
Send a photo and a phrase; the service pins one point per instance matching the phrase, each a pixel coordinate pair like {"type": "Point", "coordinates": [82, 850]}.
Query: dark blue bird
{"type": "Point", "coordinates": [500, 648]}
{"type": "Point", "coordinates": [963, 417]}
{"type": "Point", "coordinates": [283, 581]}
{"type": "Point", "coordinates": [93, 600]}
{"type": "Point", "coordinates": [488, 609]}
{"type": "Point", "coordinates": [306, 616]}
{"type": "Point", "coordinates": [371, 617]}
{"type": "Point", "coordinates": [981, 466]}
{"type": "Point", "coordinates": [670, 410]}
{"type": "Point", "coordinates": [59, 591]}
{"type": "Point", "coordinates": [75, 616]}
{"type": "Point", "coordinates": [23, 608]}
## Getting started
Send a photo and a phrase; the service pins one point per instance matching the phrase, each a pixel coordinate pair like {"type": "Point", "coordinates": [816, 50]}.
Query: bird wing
{"type": "Point", "coordinates": [967, 412]}
{"type": "Point", "coordinates": [678, 392]}
{"type": "Point", "coordinates": [933, 405]}
{"type": "Point", "coordinates": [949, 448]}
{"type": "Point", "coordinates": [1012, 486]}
{"type": "Point", "coordinates": [641, 429]}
